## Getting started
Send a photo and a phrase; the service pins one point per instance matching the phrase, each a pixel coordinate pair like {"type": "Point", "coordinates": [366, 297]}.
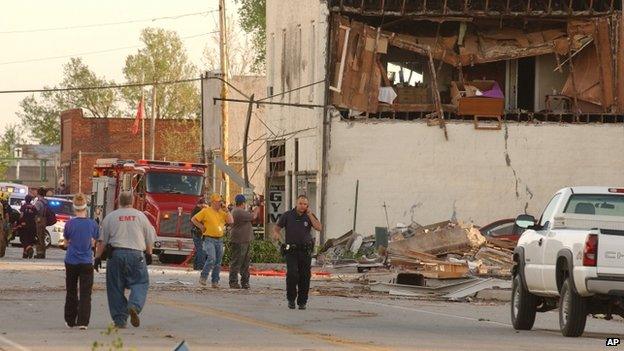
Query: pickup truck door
{"type": "Point", "coordinates": [536, 247]}
{"type": "Point", "coordinates": [532, 260]}
{"type": "Point", "coordinates": [554, 243]}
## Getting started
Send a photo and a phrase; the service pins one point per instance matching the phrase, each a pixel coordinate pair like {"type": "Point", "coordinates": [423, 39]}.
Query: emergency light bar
{"type": "Point", "coordinates": [167, 163]}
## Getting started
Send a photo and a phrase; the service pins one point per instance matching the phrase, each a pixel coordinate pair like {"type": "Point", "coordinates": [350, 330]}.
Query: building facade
{"type": "Point", "coordinates": [406, 90]}
{"type": "Point", "coordinates": [84, 140]}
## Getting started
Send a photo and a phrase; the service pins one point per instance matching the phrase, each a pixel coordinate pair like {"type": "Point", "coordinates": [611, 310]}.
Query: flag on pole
{"type": "Point", "coordinates": [139, 117]}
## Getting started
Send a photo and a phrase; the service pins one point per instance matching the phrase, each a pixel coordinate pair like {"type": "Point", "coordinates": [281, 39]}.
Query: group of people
{"type": "Point", "coordinates": [126, 237]}
{"type": "Point", "coordinates": [298, 244]}
{"type": "Point", "coordinates": [30, 224]}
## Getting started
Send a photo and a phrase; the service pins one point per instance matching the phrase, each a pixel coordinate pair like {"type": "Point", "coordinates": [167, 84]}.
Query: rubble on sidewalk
{"type": "Point", "coordinates": [449, 259]}
{"type": "Point", "coordinates": [351, 250]}
{"type": "Point", "coordinates": [447, 250]}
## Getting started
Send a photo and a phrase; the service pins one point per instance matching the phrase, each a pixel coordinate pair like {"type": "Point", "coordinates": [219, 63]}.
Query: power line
{"type": "Point", "coordinates": [112, 86]}
{"type": "Point", "coordinates": [93, 52]}
{"type": "Point", "coordinates": [290, 91]}
{"type": "Point", "coordinates": [106, 23]}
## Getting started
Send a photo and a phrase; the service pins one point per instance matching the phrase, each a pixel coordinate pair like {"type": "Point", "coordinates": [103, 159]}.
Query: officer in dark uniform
{"type": "Point", "coordinates": [297, 248]}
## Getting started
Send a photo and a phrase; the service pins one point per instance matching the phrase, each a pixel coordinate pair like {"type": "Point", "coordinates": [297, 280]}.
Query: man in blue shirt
{"type": "Point", "coordinates": [80, 234]}
{"type": "Point", "coordinates": [298, 247]}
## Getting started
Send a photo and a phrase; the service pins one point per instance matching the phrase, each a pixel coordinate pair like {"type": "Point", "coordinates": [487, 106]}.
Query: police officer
{"type": "Point", "coordinates": [297, 248]}
{"type": "Point", "coordinates": [130, 237]}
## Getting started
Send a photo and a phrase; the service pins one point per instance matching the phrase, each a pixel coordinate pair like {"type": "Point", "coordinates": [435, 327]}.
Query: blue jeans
{"type": "Point", "coordinates": [126, 269]}
{"type": "Point", "coordinates": [200, 255]}
{"type": "Point", "coordinates": [214, 254]}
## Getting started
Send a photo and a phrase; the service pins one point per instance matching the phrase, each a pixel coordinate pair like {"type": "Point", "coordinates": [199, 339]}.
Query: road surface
{"type": "Point", "coordinates": [32, 300]}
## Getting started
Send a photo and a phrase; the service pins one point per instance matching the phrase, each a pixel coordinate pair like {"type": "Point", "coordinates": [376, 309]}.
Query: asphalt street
{"type": "Point", "coordinates": [32, 297]}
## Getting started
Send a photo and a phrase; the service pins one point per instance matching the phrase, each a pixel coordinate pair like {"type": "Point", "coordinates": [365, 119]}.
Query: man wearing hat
{"type": "Point", "coordinates": [240, 239]}
{"type": "Point", "coordinates": [211, 221]}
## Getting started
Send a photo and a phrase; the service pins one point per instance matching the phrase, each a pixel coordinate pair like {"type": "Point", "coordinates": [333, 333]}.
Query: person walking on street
{"type": "Point", "coordinates": [200, 255]}
{"type": "Point", "coordinates": [128, 237]}
{"type": "Point", "coordinates": [80, 234]}
{"type": "Point", "coordinates": [41, 204]}
{"type": "Point", "coordinates": [297, 248]}
{"type": "Point", "coordinates": [4, 224]}
{"type": "Point", "coordinates": [241, 236]}
{"type": "Point", "coordinates": [27, 227]}
{"type": "Point", "coordinates": [211, 222]}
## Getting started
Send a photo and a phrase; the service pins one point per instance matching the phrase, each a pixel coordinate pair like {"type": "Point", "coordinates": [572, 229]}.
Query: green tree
{"type": "Point", "coordinates": [40, 115]}
{"type": "Point", "coordinates": [11, 137]}
{"type": "Point", "coordinates": [163, 59]}
{"type": "Point", "coordinates": [253, 20]}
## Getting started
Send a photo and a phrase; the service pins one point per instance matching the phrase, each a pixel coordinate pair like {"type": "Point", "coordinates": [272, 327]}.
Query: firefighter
{"type": "Point", "coordinates": [42, 206]}
{"type": "Point", "coordinates": [4, 223]}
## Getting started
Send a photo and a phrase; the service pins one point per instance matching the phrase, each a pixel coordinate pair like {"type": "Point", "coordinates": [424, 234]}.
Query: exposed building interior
{"type": "Point", "coordinates": [486, 61]}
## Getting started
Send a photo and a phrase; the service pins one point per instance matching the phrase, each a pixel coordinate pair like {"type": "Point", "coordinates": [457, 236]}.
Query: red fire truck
{"type": "Point", "coordinates": [166, 192]}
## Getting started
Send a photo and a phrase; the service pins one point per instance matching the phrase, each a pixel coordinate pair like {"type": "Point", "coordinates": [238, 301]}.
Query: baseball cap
{"type": "Point", "coordinates": [240, 198]}
{"type": "Point", "coordinates": [215, 197]}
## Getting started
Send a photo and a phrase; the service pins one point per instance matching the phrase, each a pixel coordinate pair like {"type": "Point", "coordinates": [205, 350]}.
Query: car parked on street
{"type": "Point", "coordinates": [571, 258]}
{"type": "Point", "coordinates": [504, 229]}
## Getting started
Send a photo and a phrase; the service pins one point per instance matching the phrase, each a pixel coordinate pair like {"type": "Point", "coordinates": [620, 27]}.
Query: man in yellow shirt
{"type": "Point", "coordinates": [211, 222]}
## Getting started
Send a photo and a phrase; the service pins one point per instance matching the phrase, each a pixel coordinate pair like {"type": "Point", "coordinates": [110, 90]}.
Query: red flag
{"type": "Point", "coordinates": [139, 117]}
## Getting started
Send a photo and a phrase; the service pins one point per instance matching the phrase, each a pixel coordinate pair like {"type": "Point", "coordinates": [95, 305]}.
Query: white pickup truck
{"type": "Point", "coordinates": [573, 258]}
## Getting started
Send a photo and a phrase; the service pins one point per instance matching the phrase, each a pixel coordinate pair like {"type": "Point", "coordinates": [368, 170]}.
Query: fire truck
{"type": "Point", "coordinates": [166, 192]}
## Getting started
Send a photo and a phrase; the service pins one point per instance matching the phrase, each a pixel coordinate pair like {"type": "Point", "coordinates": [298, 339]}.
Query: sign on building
{"type": "Point", "coordinates": [276, 203]}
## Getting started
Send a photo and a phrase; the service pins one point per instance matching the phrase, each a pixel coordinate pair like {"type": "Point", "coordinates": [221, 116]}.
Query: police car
{"type": "Point", "coordinates": [63, 209]}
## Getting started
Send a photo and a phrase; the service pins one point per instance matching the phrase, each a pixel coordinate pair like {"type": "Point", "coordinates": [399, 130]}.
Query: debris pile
{"type": "Point", "coordinates": [352, 249]}
{"type": "Point", "coordinates": [447, 250]}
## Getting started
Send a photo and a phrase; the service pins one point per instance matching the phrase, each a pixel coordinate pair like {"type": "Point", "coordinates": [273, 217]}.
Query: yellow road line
{"type": "Point", "coordinates": [213, 312]}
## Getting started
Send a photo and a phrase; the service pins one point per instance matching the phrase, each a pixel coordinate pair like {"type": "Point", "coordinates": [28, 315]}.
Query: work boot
{"type": "Point", "coordinates": [134, 317]}
{"type": "Point", "coordinates": [40, 256]}
{"type": "Point", "coordinates": [302, 307]}
{"type": "Point", "coordinates": [291, 305]}
{"type": "Point", "coordinates": [234, 286]}
{"type": "Point", "coordinates": [30, 252]}
{"type": "Point", "coordinates": [245, 286]}
{"type": "Point", "coordinates": [203, 281]}
{"type": "Point", "coordinates": [215, 285]}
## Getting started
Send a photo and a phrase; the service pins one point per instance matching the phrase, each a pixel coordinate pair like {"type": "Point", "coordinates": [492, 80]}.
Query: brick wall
{"type": "Point", "coordinates": [85, 140]}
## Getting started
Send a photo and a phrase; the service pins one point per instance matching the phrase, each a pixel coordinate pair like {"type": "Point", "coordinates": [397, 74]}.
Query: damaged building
{"type": "Point", "coordinates": [476, 110]}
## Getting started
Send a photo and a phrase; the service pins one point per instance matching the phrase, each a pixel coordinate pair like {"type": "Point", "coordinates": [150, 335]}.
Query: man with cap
{"type": "Point", "coordinates": [297, 248]}
{"type": "Point", "coordinates": [240, 238]}
{"type": "Point", "coordinates": [211, 222]}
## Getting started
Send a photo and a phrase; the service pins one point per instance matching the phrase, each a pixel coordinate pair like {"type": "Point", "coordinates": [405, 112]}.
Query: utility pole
{"type": "Point", "coordinates": [153, 134]}
{"type": "Point", "coordinates": [224, 92]}
{"type": "Point", "coordinates": [142, 112]}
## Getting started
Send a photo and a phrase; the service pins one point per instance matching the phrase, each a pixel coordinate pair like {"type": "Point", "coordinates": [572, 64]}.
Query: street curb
{"type": "Point", "coordinates": [502, 295]}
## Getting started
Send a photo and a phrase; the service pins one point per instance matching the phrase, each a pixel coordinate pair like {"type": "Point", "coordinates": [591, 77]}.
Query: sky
{"type": "Point", "coordinates": [29, 15]}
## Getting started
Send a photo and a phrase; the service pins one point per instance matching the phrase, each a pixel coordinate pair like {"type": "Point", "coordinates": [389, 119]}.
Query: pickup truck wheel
{"type": "Point", "coordinates": [572, 311]}
{"type": "Point", "coordinates": [523, 306]}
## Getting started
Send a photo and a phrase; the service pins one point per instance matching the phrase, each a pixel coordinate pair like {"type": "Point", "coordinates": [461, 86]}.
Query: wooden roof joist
{"type": "Point", "coordinates": [476, 8]}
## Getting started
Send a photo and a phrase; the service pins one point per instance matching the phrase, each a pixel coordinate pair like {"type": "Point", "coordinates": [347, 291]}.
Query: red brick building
{"type": "Point", "coordinates": [85, 139]}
